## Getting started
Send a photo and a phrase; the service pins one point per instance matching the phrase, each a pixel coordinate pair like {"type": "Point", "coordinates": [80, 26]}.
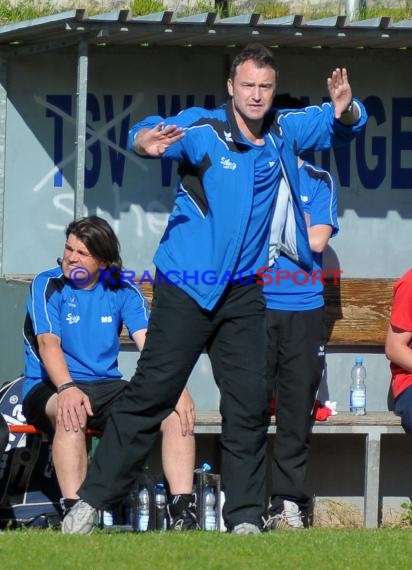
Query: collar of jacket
{"type": "Point", "coordinates": [238, 138]}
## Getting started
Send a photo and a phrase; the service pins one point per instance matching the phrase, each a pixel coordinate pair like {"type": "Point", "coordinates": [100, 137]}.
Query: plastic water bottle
{"type": "Point", "coordinates": [210, 510]}
{"type": "Point", "coordinates": [222, 526]}
{"type": "Point", "coordinates": [129, 511]}
{"type": "Point", "coordinates": [357, 400]}
{"type": "Point", "coordinates": [144, 509]}
{"type": "Point", "coordinates": [107, 519]}
{"type": "Point", "coordinates": [160, 502]}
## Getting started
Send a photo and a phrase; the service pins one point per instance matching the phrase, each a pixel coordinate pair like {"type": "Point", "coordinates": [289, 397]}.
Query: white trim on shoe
{"type": "Point", "coordinates": [290, 518]}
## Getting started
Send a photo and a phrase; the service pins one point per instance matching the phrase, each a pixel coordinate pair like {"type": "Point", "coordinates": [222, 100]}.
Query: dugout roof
{"type": "Point", "coordinates": [207, 29]}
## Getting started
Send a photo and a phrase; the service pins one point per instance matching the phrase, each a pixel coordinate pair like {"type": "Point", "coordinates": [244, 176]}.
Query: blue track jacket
{"type": "Point", "coordinates": [207, 226]}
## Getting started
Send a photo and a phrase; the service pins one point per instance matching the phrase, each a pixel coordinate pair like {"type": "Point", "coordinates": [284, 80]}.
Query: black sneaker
{"type": "Point", "coordinates": [182, 513]}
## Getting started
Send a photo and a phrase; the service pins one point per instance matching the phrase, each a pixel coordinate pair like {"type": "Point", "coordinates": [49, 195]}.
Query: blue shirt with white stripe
{"type": "Point", "coordinates": [87, 321]}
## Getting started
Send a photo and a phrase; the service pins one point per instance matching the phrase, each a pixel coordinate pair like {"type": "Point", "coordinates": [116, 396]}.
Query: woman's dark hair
{"type": "Point", "coordinates": [260, 55]}
{"type": "Point", "coordinates": [101, 241]}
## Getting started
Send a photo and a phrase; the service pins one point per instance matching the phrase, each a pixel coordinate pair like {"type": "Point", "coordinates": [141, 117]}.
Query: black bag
{"type": "Point", "coordinates": [29, 491]}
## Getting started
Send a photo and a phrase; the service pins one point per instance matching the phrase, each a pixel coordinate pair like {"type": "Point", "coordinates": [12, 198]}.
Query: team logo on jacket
{"type": "Point", "coordinates": [227, 163]}
{"type": "Point", "coordinates": [72, 319]}
{"type": "Point", "coordinates": [228, 136]}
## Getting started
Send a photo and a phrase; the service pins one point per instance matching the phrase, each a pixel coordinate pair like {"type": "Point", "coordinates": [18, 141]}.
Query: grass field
{"type": "Point", "coordinates": [334, 549]}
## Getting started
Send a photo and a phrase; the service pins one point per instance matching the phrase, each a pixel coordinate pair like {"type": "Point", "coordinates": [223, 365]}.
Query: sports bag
{"type": "Point", "coordinates": [29, 491]}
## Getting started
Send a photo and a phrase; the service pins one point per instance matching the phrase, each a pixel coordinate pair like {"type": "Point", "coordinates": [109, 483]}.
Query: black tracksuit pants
{"type": "Point", "coordinates": [295, 363]}
{"type": "Point", "coordinates": [235, 336]}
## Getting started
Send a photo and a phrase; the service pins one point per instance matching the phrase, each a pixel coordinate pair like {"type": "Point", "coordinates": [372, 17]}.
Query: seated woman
{"type": "Point", "coordinates": [398, 349]}
{"type": "Point", "coordinates": [71, 334]}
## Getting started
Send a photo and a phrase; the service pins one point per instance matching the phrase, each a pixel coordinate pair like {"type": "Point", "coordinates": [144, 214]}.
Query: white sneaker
{"type": "Point", "coordinates": [80, 519]}
{"type": "Point", "coordinates": [290, 518]}
{"type": "Point", "coordinates": [246, 528]}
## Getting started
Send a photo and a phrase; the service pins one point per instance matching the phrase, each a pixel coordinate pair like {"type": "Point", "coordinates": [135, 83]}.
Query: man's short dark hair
{"type": "Point", "coordinates": [259, 54]}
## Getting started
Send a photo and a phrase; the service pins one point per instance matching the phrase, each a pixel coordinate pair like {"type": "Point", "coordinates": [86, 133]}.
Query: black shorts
{"type": "Point", "coordinates": [102, 394]}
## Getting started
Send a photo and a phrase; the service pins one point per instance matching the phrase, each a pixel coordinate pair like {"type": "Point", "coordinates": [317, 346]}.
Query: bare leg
{"type": "Point", "coordinates": [178, 456]}
{"type": "Point", "coordinates": [69, 454]}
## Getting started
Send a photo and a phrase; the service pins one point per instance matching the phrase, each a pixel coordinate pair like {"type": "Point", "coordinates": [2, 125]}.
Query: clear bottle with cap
{"type": "Point", "coordinates": [160, 503]}
{"type": "Point", "coordinates": [357, 397]}
{"type": "Point", "coordinates": [210, 508]}
{"type": "Point", "coordinates": [143, 509]}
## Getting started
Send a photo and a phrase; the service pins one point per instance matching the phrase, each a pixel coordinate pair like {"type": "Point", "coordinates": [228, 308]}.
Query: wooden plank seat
{"type": "Point", "coordinates": [357, 310]}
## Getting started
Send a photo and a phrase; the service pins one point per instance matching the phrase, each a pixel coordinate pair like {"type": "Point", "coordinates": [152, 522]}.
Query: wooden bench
{"type": "Point", "coordinates": [357, 313]}
{"type": "Point", "coordinates": [371, 427]}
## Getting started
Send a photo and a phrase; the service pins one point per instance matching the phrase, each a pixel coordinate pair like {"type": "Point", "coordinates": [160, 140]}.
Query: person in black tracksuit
{"type": "Point", "coordinates": [296, 343]}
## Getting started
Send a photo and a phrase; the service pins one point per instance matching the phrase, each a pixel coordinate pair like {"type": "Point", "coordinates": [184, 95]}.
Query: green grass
{"type": "Point", "coordinates": [23, 10]}
{"type": "Point", "coordinates": [141, 7]}
{"type": "Point", "coordinates": [18, 10]}
{"type": "Point", "coordinates": [317, 549]}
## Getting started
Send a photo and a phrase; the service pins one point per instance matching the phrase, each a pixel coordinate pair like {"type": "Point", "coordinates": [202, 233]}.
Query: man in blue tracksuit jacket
{"type": "Point", "coordinates": [232, 161]}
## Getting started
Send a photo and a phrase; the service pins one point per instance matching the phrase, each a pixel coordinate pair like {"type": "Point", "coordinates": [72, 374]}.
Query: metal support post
{"type": "Point", "coordinates": [81, 106]}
